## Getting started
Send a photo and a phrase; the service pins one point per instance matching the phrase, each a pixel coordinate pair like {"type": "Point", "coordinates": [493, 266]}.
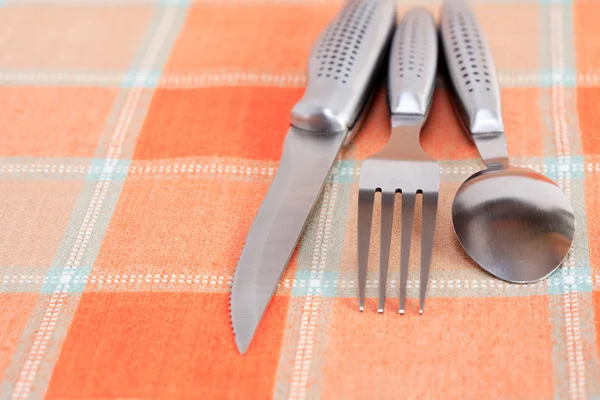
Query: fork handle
{"type": "Point", "coordinates": [412, 64]}
{"type": "Point", "coordinates": [471, 69]}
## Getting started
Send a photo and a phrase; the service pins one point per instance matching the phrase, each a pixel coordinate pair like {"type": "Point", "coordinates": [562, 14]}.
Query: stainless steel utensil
{"type": "Point", "coordinates": [402, 165]}
{"type": "Point", "coordinates": [342, 73]}
{"type": "Point", "coordinates": [515, 223]}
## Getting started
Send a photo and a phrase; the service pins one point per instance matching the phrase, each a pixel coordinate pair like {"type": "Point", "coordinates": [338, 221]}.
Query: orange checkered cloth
{"type": "Point", "coordinates": [137, 140]}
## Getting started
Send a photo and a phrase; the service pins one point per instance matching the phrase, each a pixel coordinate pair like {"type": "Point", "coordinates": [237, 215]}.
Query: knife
{"type": "Point", "coordinates": [343, 69]}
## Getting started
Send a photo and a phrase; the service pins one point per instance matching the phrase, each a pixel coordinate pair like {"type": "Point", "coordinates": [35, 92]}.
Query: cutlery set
{"type": "Point", "coordinates": [515, 223]}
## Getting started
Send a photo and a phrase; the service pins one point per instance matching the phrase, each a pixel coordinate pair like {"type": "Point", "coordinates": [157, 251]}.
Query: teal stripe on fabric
{"type": "Point", "coordinates": [68, 283]}
{"type": "Point", "coordinates": [344, 171]}
{"type": "Point", "coordinates": [99, 169]}
{"type": "Point", "coordinates": [571, 167]}
{"type": "Point", "coordinates": [575, 279]}
{"type": "Point", "coordinates": [152, 78]}
{"type": "Point", "coordinates": [549, 78]}
{"type": "Point", "coordinates": [304, 284]}
{"type": "Point", "coordinates": [175, 2]}
{"type": "Point", "coordinates": [567, 2]}
{"type": "Point", "coordinates": [145, 80]}
{"type": "Point", "coordinates": [564, 78]}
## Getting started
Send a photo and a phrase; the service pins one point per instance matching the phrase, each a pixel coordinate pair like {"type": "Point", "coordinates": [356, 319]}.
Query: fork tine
{"type": "Point", "coordinates": [430, 201]}
{"type": "Point", "coordinates": [365, 216]}
{"type": "Point", "coordinates": [387, 216]}
{"type": "Point", "coordinates": [408, 210]}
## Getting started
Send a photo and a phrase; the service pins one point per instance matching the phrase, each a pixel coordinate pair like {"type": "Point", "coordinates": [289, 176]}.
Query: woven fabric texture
{"type": "Point", "coordinates": [137, 141]}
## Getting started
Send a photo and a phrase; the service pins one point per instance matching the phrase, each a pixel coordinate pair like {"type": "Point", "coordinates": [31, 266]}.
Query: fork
{"type": "Point", "coordinates": [402, 166]}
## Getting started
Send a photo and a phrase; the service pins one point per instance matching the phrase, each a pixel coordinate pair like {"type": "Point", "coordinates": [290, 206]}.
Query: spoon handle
{"type": "Point", "coordinates": [473, 75]}
{"type": "Point", "coordinates": [471, 68]}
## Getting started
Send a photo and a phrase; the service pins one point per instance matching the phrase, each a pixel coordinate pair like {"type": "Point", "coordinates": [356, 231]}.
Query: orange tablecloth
{"type": "Point", "coordinates": [137, 140]}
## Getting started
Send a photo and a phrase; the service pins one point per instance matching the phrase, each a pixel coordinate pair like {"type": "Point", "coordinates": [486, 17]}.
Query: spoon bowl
{"type": "Point", "coordinates": [514, 222]}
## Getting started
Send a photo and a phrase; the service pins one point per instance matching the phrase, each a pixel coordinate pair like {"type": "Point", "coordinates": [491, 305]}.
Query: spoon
{"type": "Point", "coordinates": [514, 222]}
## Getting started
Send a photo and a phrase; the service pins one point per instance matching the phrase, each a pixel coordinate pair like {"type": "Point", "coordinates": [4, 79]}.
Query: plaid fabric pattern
{"type": "Point", "coordinates": [137, 140]}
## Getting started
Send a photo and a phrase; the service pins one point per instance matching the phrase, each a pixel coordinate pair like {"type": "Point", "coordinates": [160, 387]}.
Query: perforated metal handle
{"type": "Point", "coordinates": [342, 66]}
{"type": "Point", "coordinates": [413, 63]}
{"type": "Point", "coordinates": [471, 69]}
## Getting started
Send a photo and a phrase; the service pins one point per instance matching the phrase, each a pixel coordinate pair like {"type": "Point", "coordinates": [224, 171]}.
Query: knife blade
{"type": "Point", "coordinates": [343, 70]}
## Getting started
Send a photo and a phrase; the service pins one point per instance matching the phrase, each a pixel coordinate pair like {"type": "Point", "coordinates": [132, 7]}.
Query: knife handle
{"type": "Point", "coordinates": [343, 66]}
{"type": "Point", "coordinates": [412, 64]}
{"type": "Point", "coordinates": [471, 69]}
